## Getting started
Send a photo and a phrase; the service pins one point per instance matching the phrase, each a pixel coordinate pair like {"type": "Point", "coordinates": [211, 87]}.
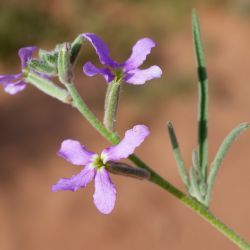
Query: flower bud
{"type": "Point", "coordinates": [75, 48]}
{"type": "Point", "coordinates": [42, 67]}
{"type": "Point", "coordinates": [64, 65]}
{"type": "Point", "coordinates": [50, 57]}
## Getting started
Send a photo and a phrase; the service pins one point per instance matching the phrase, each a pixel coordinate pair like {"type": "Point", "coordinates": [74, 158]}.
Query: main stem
{"type": "Point", "coordinates": [193, 204]}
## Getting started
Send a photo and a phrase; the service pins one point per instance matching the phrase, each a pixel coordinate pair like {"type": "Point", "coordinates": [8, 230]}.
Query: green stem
{"type": "Point", "coordinates": [193, 204]}
{"type": "Point", "coordinates": [202, 211]}
{"type": "Point", "coordinates": [154, 177]}
{"type": "Point", "coordinates": [111, 104]}
{"type": "Point", "coordinates": [82, 107]}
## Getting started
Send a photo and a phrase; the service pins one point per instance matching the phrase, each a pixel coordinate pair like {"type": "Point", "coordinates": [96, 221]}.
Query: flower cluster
{"type": "Point", "coordinates": [96, 166]}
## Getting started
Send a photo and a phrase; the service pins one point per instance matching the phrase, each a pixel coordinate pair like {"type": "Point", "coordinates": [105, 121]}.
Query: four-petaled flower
{"type": "Point", "coordinates": [15, 83]}
{"type": "Point", "coordinates": [95, 166]}
{"type": "Point", "coordinates": [127, 71]}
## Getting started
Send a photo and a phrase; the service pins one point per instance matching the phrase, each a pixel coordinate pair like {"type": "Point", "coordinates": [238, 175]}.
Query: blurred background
{"type": "Point", "coordinates": [33, 125]}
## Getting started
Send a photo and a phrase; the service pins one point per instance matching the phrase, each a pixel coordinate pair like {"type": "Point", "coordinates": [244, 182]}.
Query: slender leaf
{"type": "Point", "coordinates": [177, 155]}
{"type": "Point", "coordinates": [221, 154]}
{"type": "Point", "coordinates": [203, 96]}
{"type": "Point", "coordinates": [194, 189]}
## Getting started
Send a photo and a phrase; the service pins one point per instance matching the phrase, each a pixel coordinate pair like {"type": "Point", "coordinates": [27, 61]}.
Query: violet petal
{"type": "Point", "coordinates": [25, 54]}
{"type": "Point", "coordinates": [15, 87]}
{"type": "Point", "coordinates": [77, 181]}
{"type": "Point", "coordinates": [105, 192]}
{"type": "Point", "coordinates": [132, 139]}
{"type": "Point", "coordinates": [75, 153]}
{"type": "Point", "coordinates": [101, 49]}
{"type": "Point", "coordinates": [139, 53]}
{"type": "Point", "coordinates": [91, 70]}
{"type": "Point", "coordinates": [9, 78]}
{"type": "Point", "coordinates": [138, 76]}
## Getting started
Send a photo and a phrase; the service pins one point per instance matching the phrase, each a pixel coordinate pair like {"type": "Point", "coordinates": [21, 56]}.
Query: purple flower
{"type": "Point", "coordinates": [15, 83]}
{"type": "Point", "coordinates": [95, 166]}
{"type": "Point", "coordinates": [128, 71]}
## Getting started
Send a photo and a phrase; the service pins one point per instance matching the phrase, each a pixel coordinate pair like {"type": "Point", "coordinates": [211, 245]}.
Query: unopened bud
{"type": "Point", "coordinates": [64, 65]}
{"type": "Point", "coordinates": [75, 48]}
{"type": "Point", "coordinates": [42, 67]}
{"type": "Point", "coordinates": [50, 57]}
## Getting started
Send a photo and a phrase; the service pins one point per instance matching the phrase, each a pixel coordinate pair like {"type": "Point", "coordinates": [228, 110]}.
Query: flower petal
{"type": "Point", "coordinates": [25, 54]}
{"type": "Point", "coordinates": [14, 88]}
{"type": "Point", "coordinates": [139, 53]}
{"type": "Point", "coordinates": [138, 76]}
{"type": "Point", "coordinates": [90, 70]}
{"type": "Point", "coordinates": [75, 153]}
{"type": "Point", "coordinates": [132, 139]}
{"type": "Point", "coordinates": [105, 192]}
{"type": "Point", "coordinates": [9, 78]}
{"type": "Point", "coordinates": [77, 181]}
{"type": "Point", "coordinates": [101, 49]}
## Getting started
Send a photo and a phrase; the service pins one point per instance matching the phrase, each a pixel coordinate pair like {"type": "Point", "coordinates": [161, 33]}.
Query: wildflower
{"type": "Point", "coordinates": [127, 71]}
{"type": "Point", "coordinates": [95, 166]}
{"type": "Point", "coordinates": [15, 83]}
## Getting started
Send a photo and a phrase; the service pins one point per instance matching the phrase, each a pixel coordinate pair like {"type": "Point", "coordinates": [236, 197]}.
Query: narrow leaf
{"type": "Point", "coordinates": [177, 155]}
{"type": "Point", "coordinates": [194, 189]}
{"type": "Point", "coordinates": [203, 95]}
{"type": "Point", "coordinates": [215, 165]}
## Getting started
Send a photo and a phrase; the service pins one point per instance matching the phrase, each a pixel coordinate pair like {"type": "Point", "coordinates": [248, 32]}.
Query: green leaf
{"type": "Point", "coordinates": [177, 155]}
{"type": "Point", "coordinates": [203, 96]}
{"type": "Point", "coordinates": [215, 165]}
{"type": "Point", "coordinates": [194, 189]}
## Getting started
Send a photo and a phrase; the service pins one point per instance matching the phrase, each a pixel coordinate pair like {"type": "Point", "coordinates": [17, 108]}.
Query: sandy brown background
{"type": "Point", "coordinates": [33, 125]}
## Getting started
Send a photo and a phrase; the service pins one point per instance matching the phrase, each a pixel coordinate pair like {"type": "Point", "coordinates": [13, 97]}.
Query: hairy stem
{"type": "Point", "coordinates": [82, 107]}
